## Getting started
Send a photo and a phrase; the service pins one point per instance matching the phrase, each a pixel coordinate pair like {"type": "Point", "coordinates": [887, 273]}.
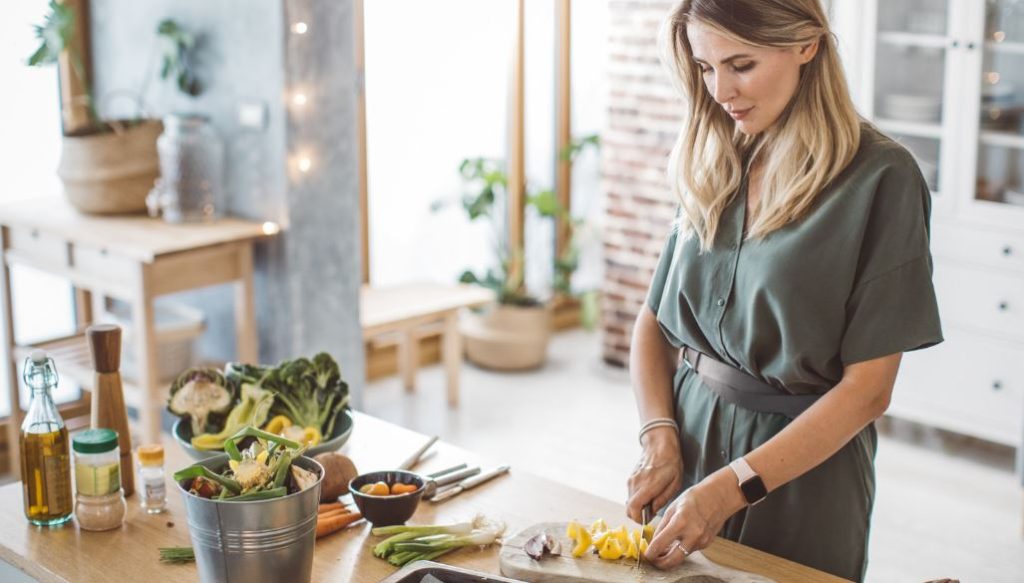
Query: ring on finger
{"type": "Point", "coordinates": [680, 546]}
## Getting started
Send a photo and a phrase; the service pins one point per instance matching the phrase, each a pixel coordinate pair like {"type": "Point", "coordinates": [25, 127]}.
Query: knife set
{"type": "Point", "coordinates": [450, 482]}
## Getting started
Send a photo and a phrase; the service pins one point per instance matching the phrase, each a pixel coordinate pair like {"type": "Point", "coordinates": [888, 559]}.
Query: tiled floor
{"type": "Point", "coordinates": [945, 507]}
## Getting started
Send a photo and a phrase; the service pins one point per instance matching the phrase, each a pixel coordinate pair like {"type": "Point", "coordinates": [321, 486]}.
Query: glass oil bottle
{"type": "Point", "coordinates": [45, 455]}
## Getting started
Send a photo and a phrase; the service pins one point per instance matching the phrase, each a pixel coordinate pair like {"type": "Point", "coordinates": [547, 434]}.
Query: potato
{"type": "Point", "coordinates": [338, 472]}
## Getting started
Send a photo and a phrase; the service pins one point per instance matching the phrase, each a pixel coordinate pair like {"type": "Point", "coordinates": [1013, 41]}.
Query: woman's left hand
{"type": "Point", "coordinates": [693, 520]}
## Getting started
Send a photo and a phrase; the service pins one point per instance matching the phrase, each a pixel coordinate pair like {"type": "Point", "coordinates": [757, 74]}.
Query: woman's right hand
{"type": "Point", "coordinates": [658, 476]}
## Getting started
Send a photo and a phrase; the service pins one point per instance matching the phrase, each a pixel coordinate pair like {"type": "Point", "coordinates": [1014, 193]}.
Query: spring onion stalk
{"type": "Point", "coordinates": [413, 543]}
{"type": "Point", "coordinates": [196, 471]}
{"type": "Point", "coordinates": [177, 554]}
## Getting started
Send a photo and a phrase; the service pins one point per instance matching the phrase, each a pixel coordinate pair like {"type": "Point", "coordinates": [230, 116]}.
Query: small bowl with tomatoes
{"type": "Point", "coordinates": [389, 497]}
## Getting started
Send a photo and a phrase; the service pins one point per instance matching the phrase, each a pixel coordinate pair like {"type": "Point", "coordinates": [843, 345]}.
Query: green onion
{"type": "Point", "coordinates": [177, 554]}
{"type": "Point", "coordinates": [413, 543]}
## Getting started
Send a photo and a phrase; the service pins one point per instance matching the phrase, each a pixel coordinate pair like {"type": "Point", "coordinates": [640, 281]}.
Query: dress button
{"type": "Point", "coordinates": [723, 454]}
{"type": "Point", "coordinates": [720, 302]}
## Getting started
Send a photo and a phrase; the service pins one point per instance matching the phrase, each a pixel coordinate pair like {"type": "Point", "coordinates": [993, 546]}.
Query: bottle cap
{"type": "Point", "coordinates": [95, 441]}
{"type": "Point", "coordinates": [151, 455]}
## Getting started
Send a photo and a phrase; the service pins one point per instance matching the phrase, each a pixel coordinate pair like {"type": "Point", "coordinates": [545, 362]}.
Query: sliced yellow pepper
{"type": "Point", "coordinates": [643, 546]}
{"type": "Point", "coordinates": [312, 436]}
{"type": "Point", "coordinates": [583, 541]}
{"type": "Point", "coordinates": [611, 550]}
{"type": "Point", "coordinates": [599, 526]}
{"type": "Point", "coordinates": [632, 551]}
{"type": "Point", "coordinates": [622, 535]}
{"type": "Point", "coordinates": [602, 538]}
{"type": "Point", "coordinates": [277, 424]}
{"type": "Point", "coordinates": [648, 532]}
{"type": "Point", "coordinates": [572, 531]}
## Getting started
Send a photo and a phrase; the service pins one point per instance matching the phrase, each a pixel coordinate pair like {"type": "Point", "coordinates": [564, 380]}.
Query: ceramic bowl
{"type": "Point", "coordinates": [387, 510]}
{"type": "Point", "coordinates": [182, 432]}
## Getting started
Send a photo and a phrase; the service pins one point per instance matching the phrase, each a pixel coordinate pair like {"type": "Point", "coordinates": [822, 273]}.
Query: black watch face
{"type": "Point", "coordinates": [754, 490]}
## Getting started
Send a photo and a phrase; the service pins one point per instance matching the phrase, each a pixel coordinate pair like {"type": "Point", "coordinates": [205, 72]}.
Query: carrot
{"type": "Point", "coordinates": [400, 488]}
{"type": "Point", "coordinates": [332, 522]}
{"type": "Point", "coordinates": [332, 506]}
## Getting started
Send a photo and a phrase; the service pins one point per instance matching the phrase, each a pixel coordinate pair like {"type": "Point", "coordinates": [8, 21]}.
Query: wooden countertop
{"type": "Point", "coordinates": [520, 499]}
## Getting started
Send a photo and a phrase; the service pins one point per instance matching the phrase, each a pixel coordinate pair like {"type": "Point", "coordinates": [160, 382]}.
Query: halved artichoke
{"type": "Point", "coordinates": [198, 392]}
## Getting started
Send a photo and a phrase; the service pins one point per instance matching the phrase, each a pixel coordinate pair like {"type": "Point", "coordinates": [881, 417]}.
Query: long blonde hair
{"type": "Point", "coordinates": [814, 139]}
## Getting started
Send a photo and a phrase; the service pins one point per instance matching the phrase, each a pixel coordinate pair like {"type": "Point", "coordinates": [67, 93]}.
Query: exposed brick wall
{"type": "Point", "coordinates": [643, 121]}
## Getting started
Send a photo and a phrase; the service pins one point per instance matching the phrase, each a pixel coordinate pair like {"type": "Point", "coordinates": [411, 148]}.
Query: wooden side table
{"type": "Point", "coordinates": [131, 258]}
{"type": "Point", "coordinates": [408, 312]}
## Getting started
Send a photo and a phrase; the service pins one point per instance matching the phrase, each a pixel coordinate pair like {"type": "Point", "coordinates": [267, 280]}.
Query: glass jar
{"type": "Point", "coordinates": [45, 463]}
{"type": "Point", "coordinates": [151, 477]}
{"type": "Point", "coordinates": [191, 184]}
{"type": "Point", "coordinates": [99, 500]}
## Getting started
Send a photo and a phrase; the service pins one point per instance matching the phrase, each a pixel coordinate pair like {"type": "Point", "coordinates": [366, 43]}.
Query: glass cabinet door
{"type": "Point", "coordinates": [1000, 162]}
{"type": "Point", "coordinates": [911, 93]}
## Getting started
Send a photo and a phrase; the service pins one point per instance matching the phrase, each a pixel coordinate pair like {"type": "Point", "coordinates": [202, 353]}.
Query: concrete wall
{"type": "Point", "coordinates": [308, 278]}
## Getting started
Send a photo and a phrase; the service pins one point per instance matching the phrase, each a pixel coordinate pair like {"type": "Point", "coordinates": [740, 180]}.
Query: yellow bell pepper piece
{"type": "Point", "coordinates": [233, 465]}
{"type": "Point", "coordinates": [572, 531]}
{"type": "Point", "coordinates": [611, 550]}
{"type": "Point", "coordinates": [632, 551]}
{"type": "Point", "coordinates": [583, 541]}
{"type": "Point", "coordinates": [311, 435]}
{"type": "Point", "coordinates": [623, 535]}
{"type": "Point", "coordinates": [261, 457]}
{"type": "Point", "coordinates": [643, 546]}
{"type": "Point", "coordinates": [648, 532]}
{"type": "Point", "coordinates": [277, 424]}
{"type": "Point", "coordinates": [602, 538]}
{"type": "Point", "coordinates": [599, 526]}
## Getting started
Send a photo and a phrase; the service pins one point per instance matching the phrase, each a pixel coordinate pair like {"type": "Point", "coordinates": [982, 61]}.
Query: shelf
{"type": "Point", "coordinates": [911, 128]}
{"type": "Point", "coordinates": [1002, 139]}
{"type": "Point", "coordinates": [74, 361]}
{"type": "Point", "coordinates": [1004, 47]}
{"type": "Point", "coordinates": [913, 39]}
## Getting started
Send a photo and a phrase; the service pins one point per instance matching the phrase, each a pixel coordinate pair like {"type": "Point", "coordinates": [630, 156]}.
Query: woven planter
{"type": "Point", "coordinates": [111, 172]}
{"type": "Point", "coordinates": [505, 337]}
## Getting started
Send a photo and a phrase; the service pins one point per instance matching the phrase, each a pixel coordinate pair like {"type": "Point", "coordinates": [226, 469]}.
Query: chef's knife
{"type": "Point", "coordinates": [645, 517]}
{"type": "Point", "coordinates": [469, 483]}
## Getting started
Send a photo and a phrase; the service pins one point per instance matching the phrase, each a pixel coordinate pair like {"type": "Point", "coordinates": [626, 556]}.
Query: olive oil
{"type": "Point", "coordinates": [45, 456]}
{"type": "Point", "coordinates": [46, 473]}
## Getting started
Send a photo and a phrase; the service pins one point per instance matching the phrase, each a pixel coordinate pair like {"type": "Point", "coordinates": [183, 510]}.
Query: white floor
{"type": "Point", "coordinates": [946, 506]}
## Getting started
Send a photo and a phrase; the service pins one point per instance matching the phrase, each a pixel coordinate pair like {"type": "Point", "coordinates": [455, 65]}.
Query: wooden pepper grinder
{"type": "Point", "coordinates": [107, 409]}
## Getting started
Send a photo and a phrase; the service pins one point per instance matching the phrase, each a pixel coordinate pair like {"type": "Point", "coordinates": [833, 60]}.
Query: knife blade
{"type": "Point", "coordinates": [645, 517]}
{"type": "Point", "coordinates": [469, 483]}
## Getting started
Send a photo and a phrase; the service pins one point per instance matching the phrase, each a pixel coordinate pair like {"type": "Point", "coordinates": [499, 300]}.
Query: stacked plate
{"type": "Point", "coordinates": [907, 107]}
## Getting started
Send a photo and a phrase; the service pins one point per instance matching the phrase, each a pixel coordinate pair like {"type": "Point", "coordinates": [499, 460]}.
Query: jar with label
{"type": "Point", "coordinates": [99, 501]}
{"type": "Point", "coordinates": [151, 477]}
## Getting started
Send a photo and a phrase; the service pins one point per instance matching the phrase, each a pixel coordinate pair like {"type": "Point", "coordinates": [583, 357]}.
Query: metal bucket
{"type": "Point", "coordinates": [261, 540]}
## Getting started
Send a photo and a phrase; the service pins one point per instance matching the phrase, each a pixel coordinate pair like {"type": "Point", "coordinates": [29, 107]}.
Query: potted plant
{"type": "Point", "coordinates": [107, 166]}
{"type": "Point", "coordinates": [513, 333]}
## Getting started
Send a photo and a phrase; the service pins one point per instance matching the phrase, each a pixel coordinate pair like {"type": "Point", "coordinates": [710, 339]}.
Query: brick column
{"type": "Point", "coordinates": [644, 116]}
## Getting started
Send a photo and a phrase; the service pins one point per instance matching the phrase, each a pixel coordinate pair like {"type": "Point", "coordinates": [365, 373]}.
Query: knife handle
{"type": "Point", "coordinates": [477, 480]}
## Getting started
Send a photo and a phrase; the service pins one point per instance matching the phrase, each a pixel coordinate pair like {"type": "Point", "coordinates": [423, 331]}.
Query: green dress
{"type": "Point", "coordinates": [849, 282]}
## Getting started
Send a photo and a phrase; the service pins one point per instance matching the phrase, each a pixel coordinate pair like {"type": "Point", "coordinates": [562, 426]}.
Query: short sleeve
{"type": "Point", "coordinates": [656, 291]}
{"type": "Point", "coordinates": [892, 307]}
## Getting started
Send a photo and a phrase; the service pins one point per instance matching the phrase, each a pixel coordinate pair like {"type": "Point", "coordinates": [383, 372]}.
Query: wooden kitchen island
{"type": "Point", "coordinates": [520, 499]}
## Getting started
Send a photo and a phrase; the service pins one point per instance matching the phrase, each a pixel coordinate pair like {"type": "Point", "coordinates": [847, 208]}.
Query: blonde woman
{"type": "Point", "coordinates": [798, 273]}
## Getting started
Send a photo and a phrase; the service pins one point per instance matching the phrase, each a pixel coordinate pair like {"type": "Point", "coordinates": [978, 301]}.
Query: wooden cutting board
{"type": "Point", "coordinates": [589, 568]}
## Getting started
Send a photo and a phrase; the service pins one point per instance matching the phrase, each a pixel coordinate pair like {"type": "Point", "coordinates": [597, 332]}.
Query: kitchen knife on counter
{"type": "Point", "coordinates": [468, 483]}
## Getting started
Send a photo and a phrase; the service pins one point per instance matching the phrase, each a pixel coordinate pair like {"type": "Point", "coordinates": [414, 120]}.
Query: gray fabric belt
{"type": "Point", "coordinates": [740, 388]}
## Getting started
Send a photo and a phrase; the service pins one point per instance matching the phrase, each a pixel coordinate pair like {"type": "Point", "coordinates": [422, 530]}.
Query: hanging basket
{"type": "Point", "coordinates": [111, 172]}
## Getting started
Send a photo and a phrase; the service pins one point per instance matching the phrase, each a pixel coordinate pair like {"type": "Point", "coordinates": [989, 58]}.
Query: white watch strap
{"type": "Point", "coordinates": [742, 470]}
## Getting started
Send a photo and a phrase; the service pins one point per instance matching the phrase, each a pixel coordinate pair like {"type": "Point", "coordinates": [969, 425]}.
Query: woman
{"type": "Point", "coordinates": [797, 275]}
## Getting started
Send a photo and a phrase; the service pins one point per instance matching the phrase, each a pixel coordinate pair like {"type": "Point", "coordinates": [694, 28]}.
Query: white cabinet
{"type": "Point", "coordinates": [946, 79]}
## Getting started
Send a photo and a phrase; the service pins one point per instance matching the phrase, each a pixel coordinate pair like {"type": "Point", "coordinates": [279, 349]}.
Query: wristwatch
{"type": "Point", "coordinates": [750, 483]}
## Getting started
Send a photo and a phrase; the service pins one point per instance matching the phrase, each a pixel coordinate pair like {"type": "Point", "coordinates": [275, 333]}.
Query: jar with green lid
{"type": "Point", "coordinates": [99, 501]}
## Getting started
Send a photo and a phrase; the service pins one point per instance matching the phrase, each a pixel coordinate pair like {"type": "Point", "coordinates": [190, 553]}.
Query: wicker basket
{"type": "Point", "coordinates": [111, 172]}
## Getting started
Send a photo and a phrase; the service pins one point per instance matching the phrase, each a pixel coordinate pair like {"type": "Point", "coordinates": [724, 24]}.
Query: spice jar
{"type": "Point", "coordinates": [151, 477]}
{"type": "Point", "coordinates": [99, 501]}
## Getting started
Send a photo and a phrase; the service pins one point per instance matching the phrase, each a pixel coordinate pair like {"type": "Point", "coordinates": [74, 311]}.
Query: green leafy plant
{"type": "Point", "coordinates": [486, 184]}
{"type": "Point", "coordinates": [57, 35]}
{"type": "Point", "coordinates": [178, 59]}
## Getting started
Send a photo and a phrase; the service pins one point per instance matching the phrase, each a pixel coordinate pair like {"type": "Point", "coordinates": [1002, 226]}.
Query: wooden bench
{"type": "Point", "coordinates": [403, 314]}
